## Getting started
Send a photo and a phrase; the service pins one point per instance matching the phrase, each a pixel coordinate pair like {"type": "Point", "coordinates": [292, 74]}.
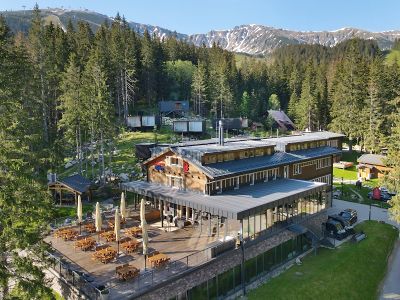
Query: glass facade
{"type": "Point", "coordinates": [284, 213]}
{"type": "Point", "coordinates": [230, 281]}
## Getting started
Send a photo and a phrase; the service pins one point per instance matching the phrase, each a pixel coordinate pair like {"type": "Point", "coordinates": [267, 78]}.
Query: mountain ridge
{"type": "Point", "coordinates": [250, 39]}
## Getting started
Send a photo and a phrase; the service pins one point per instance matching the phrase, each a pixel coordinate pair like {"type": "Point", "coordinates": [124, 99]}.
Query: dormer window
{"type": "Point", "coordinates": [174, 161]}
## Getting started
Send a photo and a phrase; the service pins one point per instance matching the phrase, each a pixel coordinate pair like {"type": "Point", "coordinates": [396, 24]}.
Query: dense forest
{"type": "Point", "coordinates": [60, 90]}
{"type": "Point", "coordinates": [85, 84]}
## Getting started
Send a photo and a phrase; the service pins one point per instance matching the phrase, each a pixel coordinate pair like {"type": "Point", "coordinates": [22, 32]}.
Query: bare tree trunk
{"type": "Point", "coordinates": [80, 149]}
{"type": "Point", "coordinates": [102, 157]}
{"type": "Point", "coordinates": [44, 109]}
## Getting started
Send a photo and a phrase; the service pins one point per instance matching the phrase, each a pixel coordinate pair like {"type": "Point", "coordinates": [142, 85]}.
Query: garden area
{"type": "Point", "coordinates": [351, 271]}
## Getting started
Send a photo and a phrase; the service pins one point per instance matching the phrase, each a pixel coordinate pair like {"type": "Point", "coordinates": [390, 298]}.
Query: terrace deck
{"type": "Point", "coordinates": [175, 244]}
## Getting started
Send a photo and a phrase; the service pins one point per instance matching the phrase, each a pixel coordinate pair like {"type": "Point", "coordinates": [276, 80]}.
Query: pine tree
{"type": "Point", "coordinates": [25, 208]}
{"type": "Point", "coordinates": [374, 108]}
{"type": "Point", "coordinates": [307, 110]}
{"type": "Point", "coordinates": [199, 89]}
{"type": "Point", "coordinates": [349, 95]}
{"type": "Point", "coordinates": [245, 105]}
{"type": "Point", "coordinates": [392, 179]}
{"type": "Point", "coordinates": [100, 114]}
{"type": "Point", "coordinates": [73, 107]}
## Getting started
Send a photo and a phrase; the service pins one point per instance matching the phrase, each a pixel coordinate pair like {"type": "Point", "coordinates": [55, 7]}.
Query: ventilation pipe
{"type": "Point", "coordinates": [221, 133]}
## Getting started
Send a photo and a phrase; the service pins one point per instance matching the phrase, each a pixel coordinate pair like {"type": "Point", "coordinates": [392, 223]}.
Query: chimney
{"type": "Point", "coordinates": [221, 133]}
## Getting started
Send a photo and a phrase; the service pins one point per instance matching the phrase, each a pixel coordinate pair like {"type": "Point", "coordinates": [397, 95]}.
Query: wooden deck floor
{"type": "Point", "coordinates": [176, 244]}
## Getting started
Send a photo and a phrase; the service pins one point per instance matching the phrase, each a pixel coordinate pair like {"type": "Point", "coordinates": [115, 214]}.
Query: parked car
{"type": "Point", "coordinates": [385, 190]}
{"type": "Point", "coordinates": [384, 196]}
{"type": "Point", "coordinates": [344, 222]}
{"type": "Point", "coordinates": [335, 229]}
{"type": "Point", "coordinates": [350, 215]}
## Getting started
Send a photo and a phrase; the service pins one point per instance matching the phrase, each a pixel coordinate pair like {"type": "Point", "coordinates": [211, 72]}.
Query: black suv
{"type": "Point", "coordinates": [349, 215]}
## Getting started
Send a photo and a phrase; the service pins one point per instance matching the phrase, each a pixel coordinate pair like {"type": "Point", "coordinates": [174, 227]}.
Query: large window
{"type": "Point", "coordinates": [224, 284]}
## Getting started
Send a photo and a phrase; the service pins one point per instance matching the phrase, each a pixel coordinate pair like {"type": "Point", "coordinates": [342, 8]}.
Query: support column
{"type": "Point", "coordinates": [269, 218]}
{"type": "Point", "coordinates": [193, 212]}
{"type": "Point", "coordinates": [225, 228]}
{"type": "Point", "coordinates": [217, 227]}
{"type": "Point", "coordinates": [179, 212]}
{"type": "Point", "coordinates": [161, 208]}
{"type": "Point", "coordinates": [187, 213]}
{"type": "Point", "coordinates": [209, 225]}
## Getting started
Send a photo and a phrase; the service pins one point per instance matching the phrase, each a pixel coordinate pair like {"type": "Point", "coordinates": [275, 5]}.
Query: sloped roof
{"type": "Point", "coordinates": [372, 159]}
{"type": "Point", "coordinates": [281, 119]}
{"type": "Point", "coordinates": [261, 162]}
{"type": "Point", "coordinates": [75, 182]}
{"type": "Point", "coordinates": [235, 204]}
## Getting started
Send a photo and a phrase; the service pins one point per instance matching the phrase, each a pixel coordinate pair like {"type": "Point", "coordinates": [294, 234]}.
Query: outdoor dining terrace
{"type": "Point", "coordinates": [120, 266]}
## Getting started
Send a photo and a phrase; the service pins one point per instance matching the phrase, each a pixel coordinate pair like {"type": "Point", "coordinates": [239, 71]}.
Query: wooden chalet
{"type": "Point", "coordinates": [372, 166]}
{"type": "Point", "coordinates": [241, 178]}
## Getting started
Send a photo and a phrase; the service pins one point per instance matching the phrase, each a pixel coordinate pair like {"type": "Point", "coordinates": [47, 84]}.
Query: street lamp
{"type": "Point", "coordinates": [370, 205]}
{"type": "Point", "coordinates": [342, 188]}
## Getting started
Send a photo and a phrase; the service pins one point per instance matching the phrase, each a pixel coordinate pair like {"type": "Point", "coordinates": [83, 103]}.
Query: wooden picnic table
{"type": "Point", "coordinates": [134, 231]}
{"type": "Point", "coordinates": [126, 272]}
{"type": "Point", "coordinates": [85, 243]}
{"type": "Point", "coordinates": [130, 246]}
{"type": "Point", "coordinates": [105, 255]}
{"type": "Point", "coordinates": [91, 228]}
{"type": "Point", "coordinates": [69, 234]}
{"type": "Point", "coordinates": [108, 235]}
{"type": "Point", "coordinates": [158, 259]}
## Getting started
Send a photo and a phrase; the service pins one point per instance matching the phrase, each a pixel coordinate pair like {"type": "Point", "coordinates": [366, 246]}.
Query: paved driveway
{"type": "Point", "coordinates": [391, 284]}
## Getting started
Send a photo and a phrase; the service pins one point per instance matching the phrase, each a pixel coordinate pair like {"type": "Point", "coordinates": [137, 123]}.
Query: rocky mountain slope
{"type": "Point", "coordinates": [249, 39]}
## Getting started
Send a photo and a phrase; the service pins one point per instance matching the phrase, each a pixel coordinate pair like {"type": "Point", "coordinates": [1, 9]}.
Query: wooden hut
{"type": "Point", "coordinates": [73, 185]}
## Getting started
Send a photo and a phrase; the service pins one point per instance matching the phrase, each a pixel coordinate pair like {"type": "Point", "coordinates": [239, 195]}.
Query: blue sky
{"type": "Point", "coordinates": [190, 16]}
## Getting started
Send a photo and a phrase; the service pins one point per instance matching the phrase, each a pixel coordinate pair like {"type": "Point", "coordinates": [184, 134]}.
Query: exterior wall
{"type": "Point", "coordinates": [193, 180]}
{"type": "Point", "coordinates": [224, 263]}
{"type": "Point", "coordinates": [310, 170]}
{"type": "Point", "coordinates": [375, 172]}
{"type": "Point", "coordinates": [237, 154]}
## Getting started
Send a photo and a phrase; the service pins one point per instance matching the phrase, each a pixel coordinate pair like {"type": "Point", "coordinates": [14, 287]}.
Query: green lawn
{"type": "Point", "coordinates": [352, 271]}
{"type": "Point", "coordinates": [66, 211]}
{"type": "Point", "coordinates": [347, 174]}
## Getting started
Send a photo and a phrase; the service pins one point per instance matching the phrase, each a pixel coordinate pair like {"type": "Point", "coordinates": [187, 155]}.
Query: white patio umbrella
{"type": "Point", "coordinates": [98, 220]}
{"type": "Point", "coordinates": [79, 212]}
{"type": "Point", "coordinates": [145, 238]}
{"type": "Point", "coordinates": [123, 206]}
{"type": "Point", "coordinates": [117, 227]}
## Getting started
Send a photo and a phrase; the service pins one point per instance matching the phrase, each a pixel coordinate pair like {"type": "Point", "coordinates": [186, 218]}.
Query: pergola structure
{"type": "Point", "coordinates": [75, 184]}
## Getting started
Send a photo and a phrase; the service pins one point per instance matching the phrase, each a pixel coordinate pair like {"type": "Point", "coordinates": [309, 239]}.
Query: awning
{"type": "Point", "coordinates": [236, 204]}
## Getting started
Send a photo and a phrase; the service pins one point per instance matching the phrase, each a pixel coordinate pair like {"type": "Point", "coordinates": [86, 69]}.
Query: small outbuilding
{"type": "Point", "coordinates": [372, 166]}
{"type": "Point", "coordinates": [281, 120]}
{"type": "Point", "coordinates": [70, 187]}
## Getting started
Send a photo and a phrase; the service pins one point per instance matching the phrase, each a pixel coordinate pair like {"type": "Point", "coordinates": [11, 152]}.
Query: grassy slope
{"type": "Point", "coordinates": [353, 271]}
{"type": "Point", "coordinates": [125, 160]}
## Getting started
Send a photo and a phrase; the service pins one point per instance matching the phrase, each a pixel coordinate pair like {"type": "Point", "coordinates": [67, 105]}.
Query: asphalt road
{"type": "Point", "coordinates": [391, 284]}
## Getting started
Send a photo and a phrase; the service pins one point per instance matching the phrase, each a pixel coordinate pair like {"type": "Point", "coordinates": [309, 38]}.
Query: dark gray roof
{"type": "Point", "coordinates": [305, 137]}
{"type": "Point", "coordinates": [228, 146]}
{"type": "Point", "coordinates": [77, 183]}
{"type": "Point", "coordinates": [262, 162]}
{"type": "Point", "coordinates": [372, 159]}
{"type": "Point", "coordinates": [281, 119]}
{"type": "Point", "coordinates": [235, 204]}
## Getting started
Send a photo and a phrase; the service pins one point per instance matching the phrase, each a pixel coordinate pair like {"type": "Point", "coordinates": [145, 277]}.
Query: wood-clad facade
{"type": "Point", "coordinates": [171, 168]}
